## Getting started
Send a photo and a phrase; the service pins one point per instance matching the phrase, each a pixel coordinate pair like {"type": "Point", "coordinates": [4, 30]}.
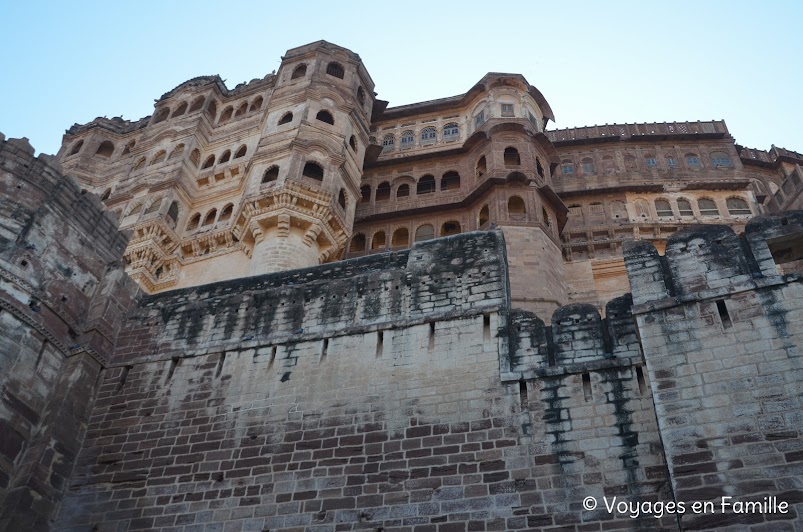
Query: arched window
{"type": "Point", "coordinates": [180, 110]}
{"type": "Point", "coordinates": [720, 159]}
{"type": "Point", "coordinates": [325, 116]}
{"type": "Point", "coordinates": [450, 181]}
{"type": "Point", "coordinates": [737, 206]}
{"type": "Point", "coordinates": [650, 160]}
{"type": "Point", "coordinates": [153, 207]}
{"type": "Point", "coordinates": [241, 151]}
{"type": "Point", "coordinates": [383, 192]}
{"type": "Point", "coordinates": [379, 240]}
{"type": "Point", "coordinates": [135, 211]}
{"type": "Point", "coordinates": [172, 212]}
{"type": "Point", "coordinates": [425, 232]}
{"type": "Point", "coordinates": [538, 167]}
{"type": "Point", "coordinates": [516, 208]}
{"type": "Point", "coordinates": [211, 110]}
{"type": "Point", "coordinates": [512, 156]}
{"type": "Point", "coordinates": [482, 167]}
{"type": "Point", "coordinates": [401, 238]}
{"type": "Point", "coordinates": [484, 216]}
{"type": "Point", "coordinates": [271, 174]}
{"type": "Point", "coordinates": [159, 157]}
{"type": "Point", "coordinates": [177, 151]}
{"type": "Point", "coordinates": [226, 157]}
{"type": "Point", "coordinates": [642, 208]}
{"type": "Point", "coordinates": [426, 185]}
{"type": "Point", "coordinates": [299, 72]}
{"type": "Point", "coordinates": [226, 114]}
{"type": "Point", "coordinates": [365, 194]}
{"type": "Point", "coordinates": [407, 139]}
{"type": "Point", "coordinates": [692, 160]}
{"type": "Point", "coordinates": [353, 143]}
{"type": "Point", "coordinates": [357, 243]}
{"type": "Point", "coordinates": [341, 199]}
{"type": "Point", "coordinates": [209, 163]}
{"type": "Point", "coordinates": [608, 165]}
{"type": "Point", "coordinates": [671, 162]}
{"type": "Point", "coordinates": [663, 209]}
{"type": "Point", "coordinates": [545, 217]}
{"type": "Point", "coordinates": [256, 104]}
{"type": "Point", "coordinates": [451, 131]}
{"type": "Point", "coordinates": [371, 139]}
{"type": "Point", "coordinates": [566, 167]}
{"type": "Point", "coordinates": [588, 165]}
{"type": "Point", "coordinates": [129, 147]}
{"type": "Point", "coordinates": [388, 143]}
{"type": "Point", "coordinates": [242, 109]}
{"type": "Point", "coordinates": [360, 95]}
{"type": "Point", "coordinates": [335, 69]}
{"type": "Point", "coordinates": [197, 103]}
{"type": "Point", "coordinates": [194, 221]}
{"type": "Point", "coordinates": [403, 191]}
{"type": "Point", "coordinates": [195, 157]}
{"type": "Point", "coordinates": [161, 115]}
{"type": "Point", "coordinates": [210, 217]}
{"type": "Point", "coordinates": [429, 135]}
{"type": "Point", "coordinates": [226, 213]}
{"type": "Point", "coordinates": [106, 149]}
{"type": "Point", "coordinates": [596, 212]}
{"type": "Point", "coordinates": [684, 207]}
{"type": "Point", "coordinates": [630, 162]}
{"type": "Point", "coordinates": [707, 207]}
{"type": "Point", "coordinates": [450, 228]}
{"type": "Point", "coordinates": [76, 147]}
{"type": "Point", "coordinates": [139, 163]}
{"type": "Point", "coordinates": [286, 119]}
{"type": "Point", "coordinates": [313, 170]}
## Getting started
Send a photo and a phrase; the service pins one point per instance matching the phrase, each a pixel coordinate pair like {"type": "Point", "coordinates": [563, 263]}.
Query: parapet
{"type": "Point", "coordinates": [578, 340]}
{"type": "Point", "coordinates": [704, 260]}
{"type": "Point", "coordinates": [454, 277]}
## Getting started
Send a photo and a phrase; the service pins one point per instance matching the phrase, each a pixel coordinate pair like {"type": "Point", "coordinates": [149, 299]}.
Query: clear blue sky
{"type": "Point", "coordinates": [595, 62]}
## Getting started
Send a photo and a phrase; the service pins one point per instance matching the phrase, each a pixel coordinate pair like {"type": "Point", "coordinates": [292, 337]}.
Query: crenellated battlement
{"type": "Point", "coordinates": [577, 340]}
{"type": "Point", "coordinates": [707, 260]}
{"type": "Point", "coordinates": [464, 275]}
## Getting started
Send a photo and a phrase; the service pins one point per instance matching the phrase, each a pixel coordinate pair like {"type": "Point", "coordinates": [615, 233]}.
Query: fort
{"type": "Point", "coordinates": [288, 306]}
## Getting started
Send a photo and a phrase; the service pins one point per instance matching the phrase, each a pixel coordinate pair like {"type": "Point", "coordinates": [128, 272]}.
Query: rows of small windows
{"type": "Point", "coordinates": [312, 170]}
{"type": "Point", "coordinates": [595, 213]}
{"type": "Point", "coordinates": [143, 208]}
{"type": "Point", "coordinates": [608, 164]}
{"type": "Point", "coordinates": [210, 218]}
{"type": "Point", "coordinates": [506, 110]}
{"type": "Point", "coordinates": [333, 69]}
{"type": "Point", "coordinates": [323, 116]}
{"type": "Point", "coordinates": [425, 185]}
{"type": "Point", "coordinates": [229, 111]}
{"type": "Point", "coordinates": [516, 211]}
{"type": "Point", "coordinates": [401, 237]}
{"type": "Point", "coordinates": [104, 150]}
{"type": "Point", "coordinates": [426, 137]}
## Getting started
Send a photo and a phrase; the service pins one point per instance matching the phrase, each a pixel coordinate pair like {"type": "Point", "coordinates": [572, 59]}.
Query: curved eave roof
{"type": "Point", "coordinates": [488, 81]}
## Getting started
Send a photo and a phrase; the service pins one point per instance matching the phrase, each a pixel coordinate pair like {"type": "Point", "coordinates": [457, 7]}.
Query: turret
{"type": "Point", "coordinates": [304, 181]}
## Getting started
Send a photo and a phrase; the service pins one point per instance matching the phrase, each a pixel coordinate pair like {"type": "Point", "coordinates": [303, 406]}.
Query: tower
{"type": "Point", "coordinates": [298, 209]}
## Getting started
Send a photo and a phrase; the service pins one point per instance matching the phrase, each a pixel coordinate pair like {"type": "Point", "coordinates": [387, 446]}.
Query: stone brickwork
{"type": "Point", "coordinates": [438, 378]}
{"type": "Point", "coordinates": [62, 293]}
{"type": "Point", "coordinates": [721, 330]}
